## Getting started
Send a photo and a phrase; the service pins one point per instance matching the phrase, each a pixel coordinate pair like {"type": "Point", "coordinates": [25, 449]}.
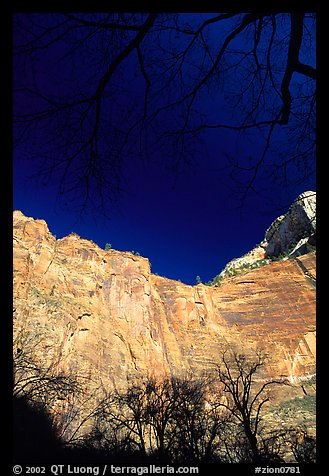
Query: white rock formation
{"type": "Point", "coordinates": [297, 224]}
{"type": "Point", "coordinates": [289, 234]}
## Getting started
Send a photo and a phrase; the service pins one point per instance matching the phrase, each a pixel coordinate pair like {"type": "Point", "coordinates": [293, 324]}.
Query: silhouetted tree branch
{"type": "Point", "coordinates": [139, 82]}
{"type": "Point", "coordinates": [169, 420]}
{"type": "Point", "coordinates": [44, 386]}
{"type": "Point", "coordinates": [245, 396]}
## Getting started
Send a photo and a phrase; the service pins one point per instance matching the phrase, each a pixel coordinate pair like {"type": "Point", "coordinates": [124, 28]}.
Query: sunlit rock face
{"type": "Point", "coordinates": [291, 235]}
{"type": "Point", "coordinates": [297, 224]}
{"type": "Point", "coordinates": [104, 315]}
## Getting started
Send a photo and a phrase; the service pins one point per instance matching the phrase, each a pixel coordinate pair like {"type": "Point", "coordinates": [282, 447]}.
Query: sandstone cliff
{"type": "Point", "coordinates": [104, 314]}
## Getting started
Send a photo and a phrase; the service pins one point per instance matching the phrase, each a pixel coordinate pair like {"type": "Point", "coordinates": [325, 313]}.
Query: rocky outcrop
{"type": "Point", "coordinates": [299, 223]}
{"type": "Point", "coordinates": [103, 314]}
{"type": "Point", "coordinates": [290, 235]}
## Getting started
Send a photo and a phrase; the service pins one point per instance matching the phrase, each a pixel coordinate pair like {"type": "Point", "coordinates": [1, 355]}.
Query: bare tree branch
{"type": "Point", "coordinates": [155, 97]}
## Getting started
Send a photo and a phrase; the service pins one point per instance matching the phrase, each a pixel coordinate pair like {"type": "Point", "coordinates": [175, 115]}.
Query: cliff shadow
{"type": "Point", "coordinates": [34, 438]}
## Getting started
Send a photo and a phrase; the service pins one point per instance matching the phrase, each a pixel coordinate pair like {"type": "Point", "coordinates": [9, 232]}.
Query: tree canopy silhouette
{"type": "Point", "coordinates": [95, 90]}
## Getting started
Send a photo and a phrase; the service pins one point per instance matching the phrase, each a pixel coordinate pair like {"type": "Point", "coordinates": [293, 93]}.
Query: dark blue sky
{"type": "Point", "coordinates": [186, 226]}
{"type": "Point", "coordinates": [187, 223]}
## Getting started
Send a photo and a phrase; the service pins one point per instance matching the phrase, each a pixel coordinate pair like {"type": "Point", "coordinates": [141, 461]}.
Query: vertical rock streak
{"type": "Point", "coordinates": [103, 312]}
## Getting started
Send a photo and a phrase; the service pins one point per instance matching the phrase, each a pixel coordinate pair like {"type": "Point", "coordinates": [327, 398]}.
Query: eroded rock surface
{"type": "Point", "coordinates": [292, 234]}
{"type": "Point", "coordinates": [298, 223]}
{"type": "Point", "coordinates": [104, 314]}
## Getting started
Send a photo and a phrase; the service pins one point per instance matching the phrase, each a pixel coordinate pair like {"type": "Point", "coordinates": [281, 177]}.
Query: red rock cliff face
{"type": "Point", "coordinates": [104, 314]}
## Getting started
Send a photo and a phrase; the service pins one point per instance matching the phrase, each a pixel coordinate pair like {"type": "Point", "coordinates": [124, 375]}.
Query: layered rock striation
{"type": "Point", "coordinates": [104, 315]}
